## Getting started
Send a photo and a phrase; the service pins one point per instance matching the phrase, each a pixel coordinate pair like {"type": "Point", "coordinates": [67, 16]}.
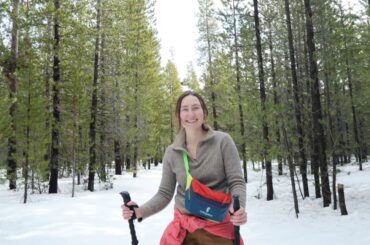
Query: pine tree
{"type": "Point", "coordinates": [9, 71]}
{"type": "Point", "coordinates": [207, 26]}
{"type": "Point", "coordinates": [191, 80]}
{"type": "Point", "coordinates": [270, 190]}
{"type": "Point", "coordinates": [55, 135]}
{"type": "Point", "coordinates": [297, 109]}
{"type": "Point", "coordinates": [318, 131]}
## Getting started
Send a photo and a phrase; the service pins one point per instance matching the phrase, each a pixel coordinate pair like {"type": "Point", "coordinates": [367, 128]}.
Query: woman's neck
{"type": "Point", "coordinates": [194, 136]}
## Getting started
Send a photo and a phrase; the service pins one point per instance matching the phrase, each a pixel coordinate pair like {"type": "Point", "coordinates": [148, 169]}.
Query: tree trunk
{"type": "Point", "coordinates": [27, 163]}
{"type": "Point", "coordinates": [55, 136]}
{"type": "Point", "coordinates": [342, 203]}
{"type": "Point", "coordinates": [136, 123]}
{"type": "Point", "coordinates": [270, 190]}
{"type": "Point", "coordinates": [238, 91]}
{"type": "Point", "coordinates": [128, 148]}
{"type": "Point", "coordinates": [313, 157]}
{"type": "Point", "coordinates": [74, 130]}
{"type": "Point", "coordinates": [94, 103]}
{"type": "Point", "coordinates": [276, 99]}
{"type": "Point", "coordinates": [212, 77]}
{"type": "Point", "coordinates": [297, 109]}
{"type": "Point", "coordinates": [9, 72]}
{"type": "Point", "coordinates": [330, 110]}
{"type": "Point", "coordinates": [103, 131]}
{"type": "Point", "coordinates": [48, 77]}
{"type": "Point", "coordinates": [117, 143]}
{"type": "Point", "coordinates": [358, 150]}
{"type": "Point", "coordinates": [117, 157]}
{"type": "Point", "coordinates": [318, 130]}
{"type": "Point", "coordinates": [291, 170]}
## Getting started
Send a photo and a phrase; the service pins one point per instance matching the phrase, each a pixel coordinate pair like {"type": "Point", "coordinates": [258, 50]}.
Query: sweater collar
{"type": "Point", "coordinates": [179, 142]}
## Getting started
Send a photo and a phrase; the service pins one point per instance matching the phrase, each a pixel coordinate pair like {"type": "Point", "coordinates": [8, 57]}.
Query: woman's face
{"type": "Point", "coordinates": [191, 113]}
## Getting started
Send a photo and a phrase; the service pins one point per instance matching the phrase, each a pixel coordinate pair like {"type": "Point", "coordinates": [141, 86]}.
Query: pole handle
{"type": "Point", "coordinates": [236, 206]}
{"type": "Point", "coordinates": [126, 199]}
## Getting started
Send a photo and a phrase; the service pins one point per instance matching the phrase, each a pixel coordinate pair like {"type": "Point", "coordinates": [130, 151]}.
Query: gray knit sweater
{"type": "Point", "coordinates": [217, 166]}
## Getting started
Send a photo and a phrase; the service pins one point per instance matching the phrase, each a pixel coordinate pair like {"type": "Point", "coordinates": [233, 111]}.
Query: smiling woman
{"type": "Point", "coordinates": [177, 31]}
{"type": "Point", "coordinates": [203, 166]}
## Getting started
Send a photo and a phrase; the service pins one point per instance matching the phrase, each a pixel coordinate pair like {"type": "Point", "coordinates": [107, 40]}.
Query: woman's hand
{"type": "Point", "coordinates": [127, 213]}
{"type": "Point", "coordinates": [239, 217]}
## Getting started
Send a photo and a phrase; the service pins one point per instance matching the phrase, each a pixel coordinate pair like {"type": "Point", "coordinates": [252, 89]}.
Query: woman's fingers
{"type": "Point", "coordinates": [126, 212]}
{"type": "Point", "coordinates": [239, 217]}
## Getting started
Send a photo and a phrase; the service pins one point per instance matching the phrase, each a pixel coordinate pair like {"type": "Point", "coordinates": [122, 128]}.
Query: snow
{"type": "Point", "coordinates": [95, 218]}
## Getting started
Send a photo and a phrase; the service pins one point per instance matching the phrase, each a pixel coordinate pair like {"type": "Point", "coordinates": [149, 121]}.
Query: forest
{"type": "Point", "coordinates": [83, 93]}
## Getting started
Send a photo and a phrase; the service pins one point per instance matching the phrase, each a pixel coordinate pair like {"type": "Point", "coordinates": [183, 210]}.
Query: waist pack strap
{"type": "Point", "coordinates": [188, 176]}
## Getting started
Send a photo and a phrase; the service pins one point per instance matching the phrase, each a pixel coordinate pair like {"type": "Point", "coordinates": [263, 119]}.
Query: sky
{"type": "Point", "coordinates": [177, 32]}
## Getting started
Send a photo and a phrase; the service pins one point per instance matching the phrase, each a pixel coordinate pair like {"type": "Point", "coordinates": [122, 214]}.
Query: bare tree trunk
{"type": "Point", "coordinates": [297, 109]}
{"type": "Point", "coordinates": [94, 102]}
{"type": "Point", "coordinates": [27, 163]}
{"type": "Point", "coordinates": [136, 121]}
{"type": "Point", "coordinates": [103, 131]}
{"type": "Point", "coordinates": [291, 170]}
{"type": "Point", "coordinates": [117, 157]}
{"type": "Point", "coordinates": [9, 72]}
{"type": "Point", "coordinates": [55, 136]}
{"type": "Point", "coordinates": [117, 143]}
{"type": "Point", "coordinates": [128, 148]}
{"type": "Point", "coordinates": [75, 128]}
{"type": "Point", "coordinates": [48, 77]}
{"type": "Point", "coordinates": [318, 130]}
{"type": "Point", "coordinates": [354, 113]}
{"type": "Point", "coordinates": [276, 99]}
{"type": "Point", "coordinates": [313, 156]}
{"type": "Point", "coordinates": [238, 91]}
{"type": "Point", "coordinates": [330, 110]}
{"type": "Point", "coordinates": [342, 203]}
{"type": "Point", "coordinates": [270, 190]}
{"type": "Point", "coordinates": [212, 77]}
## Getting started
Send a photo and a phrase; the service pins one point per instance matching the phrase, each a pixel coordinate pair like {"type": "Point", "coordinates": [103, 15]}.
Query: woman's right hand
{"type": "Point", "coordinates": [127, 213]}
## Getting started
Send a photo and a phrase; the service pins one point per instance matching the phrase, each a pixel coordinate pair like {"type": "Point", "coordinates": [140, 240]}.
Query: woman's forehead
{"type": "Point", "coordinates": [190, 100]}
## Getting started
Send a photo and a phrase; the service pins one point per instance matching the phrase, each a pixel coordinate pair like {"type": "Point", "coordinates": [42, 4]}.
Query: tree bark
{"type": "Point", "coordinates": [318, 130]}
{"type": "Point", "coordinates": [48, 77]}
{"type": "Point", "coordinates": [27, 162]}
{"type": "Point", "coordinates": [10, 68]}
{"type": "Point", "coordinates": [94, 103]}
{"type": "Point", "coordinates": [276, 99]}
{"type": "Point", "coordinates": [211, 75]}
{"type": "Point", "coordinates": [342, 203]}
{"type": "Point", "coordinates": [117, 143]}
{"type": "Point", "coordinates": [270, 190]}
{"type": "Point", "coordinates": [329, 108]}
{"type": "Point", "coordinates": [55, 136]}
{"type": "Point", "coordinates": [291, 170]}
{"type": "Point", "coordinates": [238, 91]}
{"type": "Point", "coordinates": [117, 157]}
{"type": "Point", "coordinates": [128, 148]}
{"type": "Point", "coordinates": [297, 109]}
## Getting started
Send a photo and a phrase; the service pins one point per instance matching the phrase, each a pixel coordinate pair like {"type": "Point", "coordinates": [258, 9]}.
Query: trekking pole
{"type": "Point", "coordinates": [126, 198]}
{"type": "Point", "coordinates": [236, 206]}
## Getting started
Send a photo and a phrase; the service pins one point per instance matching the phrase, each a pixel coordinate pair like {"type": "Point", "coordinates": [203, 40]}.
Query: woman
{"type": "Point", "coordinates": [213, 159]}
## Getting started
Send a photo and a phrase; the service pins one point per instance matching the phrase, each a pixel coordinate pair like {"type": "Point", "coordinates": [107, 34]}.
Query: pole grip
{"type": "Point", "coordinates": [126, 199]}
{"type": "Point", "coordinates": [236, 206]}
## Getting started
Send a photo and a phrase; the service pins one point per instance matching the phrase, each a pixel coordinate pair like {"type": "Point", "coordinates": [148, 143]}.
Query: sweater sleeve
{"type": "Point", "coordinates": [233, 169]}
{"type": "Point", "coordinates": [165, 191]}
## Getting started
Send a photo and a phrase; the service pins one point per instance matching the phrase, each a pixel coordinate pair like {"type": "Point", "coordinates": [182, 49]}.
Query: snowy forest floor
{"type": "Point", "coordinates": [95, 218]}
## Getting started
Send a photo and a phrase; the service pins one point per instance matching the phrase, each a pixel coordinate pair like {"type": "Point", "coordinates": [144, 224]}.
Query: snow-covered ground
{"type": "Point", "coordinates": [95, 218]}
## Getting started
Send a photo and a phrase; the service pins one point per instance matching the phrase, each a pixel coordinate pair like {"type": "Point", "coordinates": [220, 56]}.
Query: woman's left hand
{"type": "Point", "coordinates": [239, 217]}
